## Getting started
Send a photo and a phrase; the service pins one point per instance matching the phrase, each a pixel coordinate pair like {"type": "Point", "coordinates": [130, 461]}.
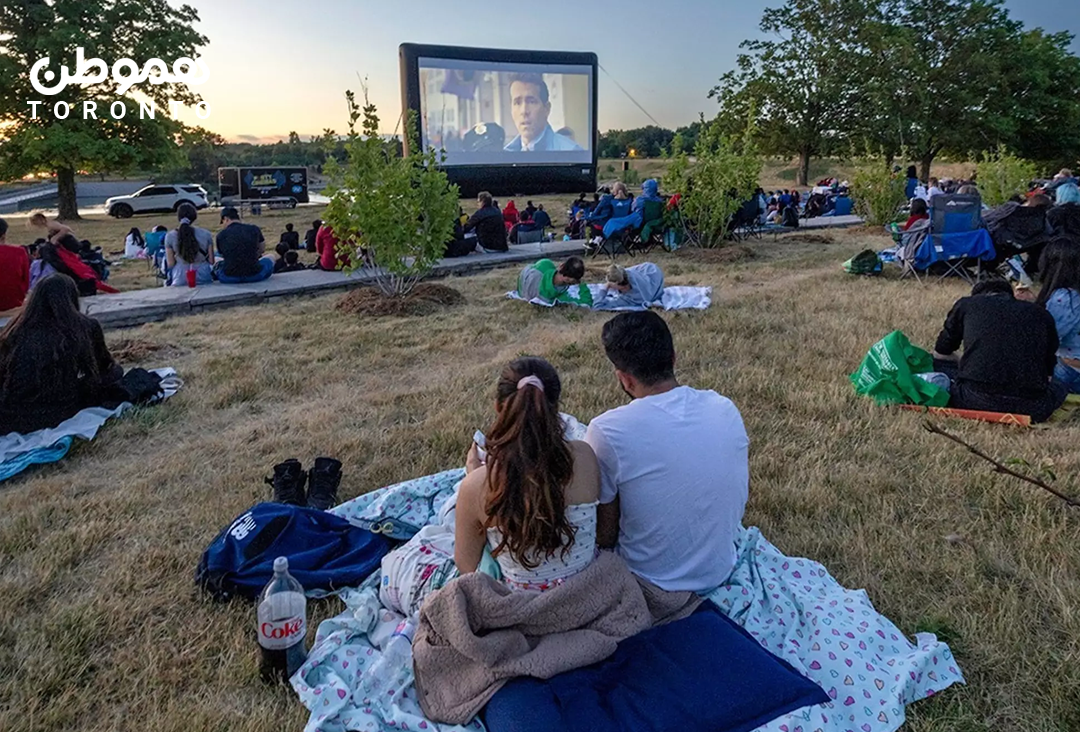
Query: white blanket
{"type": "Point", "coordinates": [675, 298]}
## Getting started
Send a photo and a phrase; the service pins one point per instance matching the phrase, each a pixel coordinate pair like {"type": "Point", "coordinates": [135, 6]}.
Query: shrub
{"type": "Point", "coordinates": [631, 177]}
{"type": "Point", "coordinates": [1001, 175]}
{"type": "Point", "coordinates": [878, 193]}
{"type": "Point", "coordinates": [723, 176]}
{"type": "Point", "coordinates": [400, 208]}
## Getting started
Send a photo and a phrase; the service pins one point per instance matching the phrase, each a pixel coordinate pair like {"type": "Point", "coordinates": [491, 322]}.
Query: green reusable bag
{"type": "Point", "coordinates": [887, 374]}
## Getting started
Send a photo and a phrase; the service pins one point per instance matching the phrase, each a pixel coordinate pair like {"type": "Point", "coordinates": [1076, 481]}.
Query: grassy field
{"type": "Point", "coordinates": [101, 627]}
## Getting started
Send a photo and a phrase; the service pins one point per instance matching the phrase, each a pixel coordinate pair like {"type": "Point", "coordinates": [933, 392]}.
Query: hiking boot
{"type": "Point", "coordinates": [288, 481]}
{"type": "Point", "coordinates": [323, 481]}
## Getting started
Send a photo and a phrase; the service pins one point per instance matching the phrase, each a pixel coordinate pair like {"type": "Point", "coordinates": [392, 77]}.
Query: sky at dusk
{"type": "Point", "coordinates": [281, 65]}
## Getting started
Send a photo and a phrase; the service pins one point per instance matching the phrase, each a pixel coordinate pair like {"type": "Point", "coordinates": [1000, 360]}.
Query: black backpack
{"type": "Point", "coordinates": [790, 218]}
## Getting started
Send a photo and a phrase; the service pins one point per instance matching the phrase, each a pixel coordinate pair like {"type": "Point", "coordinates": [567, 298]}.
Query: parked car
{"type": "Point", "coordinates": [156, 199]}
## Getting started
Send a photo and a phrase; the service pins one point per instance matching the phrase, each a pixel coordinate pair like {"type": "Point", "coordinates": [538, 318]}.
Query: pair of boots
{"type": "Point", "coordinates": [322, 483]}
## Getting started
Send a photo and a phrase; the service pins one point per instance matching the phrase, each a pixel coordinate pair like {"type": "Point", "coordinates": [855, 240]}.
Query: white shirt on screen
{"type": "Point", "coordinates": [678, 462]}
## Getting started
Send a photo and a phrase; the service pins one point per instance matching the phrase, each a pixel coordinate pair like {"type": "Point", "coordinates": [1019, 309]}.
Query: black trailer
{"type": "Point", "coordinates": [274, 187]}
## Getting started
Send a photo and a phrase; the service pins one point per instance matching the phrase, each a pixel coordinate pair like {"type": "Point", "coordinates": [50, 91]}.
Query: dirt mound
{"type": "Point", "coordinates": [133, 350]}
{"type": "Point", "coordinates": [723, 255]}
{"type": "Point", "coordinates": [425, 299]}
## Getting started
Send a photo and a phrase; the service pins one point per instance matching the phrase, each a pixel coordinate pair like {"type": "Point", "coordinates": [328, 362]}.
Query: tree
{"type": "Point", "coordinates": [400, 208]}
{"type": "Point", "coordinates": [878, 192]}
{"type": "Point", "coordinates": [1002, 176]}
{"type": "Point", "coordinates": [805, 84]}
{"type": "Point", "coordinates": [106, 29]}
{"type": "Point", "coordinates": [723, 176]}
{"type": "Point", "coordinates": [644, 142]}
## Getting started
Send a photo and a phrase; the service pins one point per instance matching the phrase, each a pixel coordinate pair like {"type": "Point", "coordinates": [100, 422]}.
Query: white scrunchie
{"type": "Point", "coordinates": [531, 381]}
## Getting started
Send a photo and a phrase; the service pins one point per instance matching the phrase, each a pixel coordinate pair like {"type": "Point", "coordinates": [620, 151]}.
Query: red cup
{"type": "Point", "coordinates": [191, 278]}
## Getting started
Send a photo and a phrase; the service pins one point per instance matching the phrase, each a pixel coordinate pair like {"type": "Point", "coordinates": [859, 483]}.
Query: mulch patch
{"type": "Point", "coordinates": [806, 239]}
{"type": "Point", "coordinates": [134, 350]}
{"type": "Point", "coordinates": [720, 255]}
{"type": "Point", "coordinates": [425, 299]}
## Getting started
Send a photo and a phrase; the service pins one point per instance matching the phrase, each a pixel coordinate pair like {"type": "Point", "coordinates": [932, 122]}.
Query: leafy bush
{"type": "Point", "coordinates": [401, 209]}
{"type": "Point", "coordinates": [1002, 175]}
{"type": "Point", "coordinates": [878, 194]}
{"type": "Point", "coordinates": [722, 177]}
{"type": "Point", "coordinates": [631, 177]}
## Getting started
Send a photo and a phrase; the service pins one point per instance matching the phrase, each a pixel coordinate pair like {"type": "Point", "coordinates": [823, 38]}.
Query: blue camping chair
{"type": "Point", "coordinates": [954, 235]}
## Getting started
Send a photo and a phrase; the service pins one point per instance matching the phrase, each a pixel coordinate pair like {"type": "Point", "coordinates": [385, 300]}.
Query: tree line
{"type": "Point", "coordinates": [911, 79]}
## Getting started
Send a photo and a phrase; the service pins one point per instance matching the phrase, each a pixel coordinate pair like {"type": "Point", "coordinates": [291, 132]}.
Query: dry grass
{"type": "Point", "coordinates": [101, 627]}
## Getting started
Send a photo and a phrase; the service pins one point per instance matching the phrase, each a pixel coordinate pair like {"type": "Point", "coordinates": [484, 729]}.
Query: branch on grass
{"type": "Point", "coordinates": [999, 467]}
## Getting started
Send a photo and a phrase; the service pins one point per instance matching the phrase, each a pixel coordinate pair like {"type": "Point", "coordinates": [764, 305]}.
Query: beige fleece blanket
{"type": "Point", "coordinates": [476, 633]}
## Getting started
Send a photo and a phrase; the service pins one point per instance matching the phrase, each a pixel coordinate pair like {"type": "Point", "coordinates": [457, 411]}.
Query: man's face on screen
{"type": "Point", "coordinates": [530, 113]}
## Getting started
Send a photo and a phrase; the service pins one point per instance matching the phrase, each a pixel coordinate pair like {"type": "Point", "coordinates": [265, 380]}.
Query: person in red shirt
{"type": "Point", "coordinates": [919, 212]}
{"type": "Point", "coordinates": [332, 254]}
{"type": "Point", "coordinates": [14, 272]}
{"type": "Point", "coordinates": [66, 251]}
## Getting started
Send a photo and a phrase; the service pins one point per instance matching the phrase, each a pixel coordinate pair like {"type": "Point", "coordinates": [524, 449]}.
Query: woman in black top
{"type": "Point", "coordinates": [53, 360]}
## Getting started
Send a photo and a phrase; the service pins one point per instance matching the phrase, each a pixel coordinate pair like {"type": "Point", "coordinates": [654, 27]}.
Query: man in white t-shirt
{"type": "Point", "coordinates": [674, 473]}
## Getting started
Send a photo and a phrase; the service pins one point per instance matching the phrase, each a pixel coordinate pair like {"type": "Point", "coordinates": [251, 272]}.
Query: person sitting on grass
{"type": "Point", "coordinates": [290, 238]}
{"type": "Point", "coordinates": [292, 262]}
{"type": "Point", "coordinates": [631, 287]}
{"type": "Point", "coordinates": [673, 457]}
{"type": "Point", "coordinates": [241, 247]}
{"type": "Point", "coordinates": [541, 218]}
{"type": "Point", "coordinates": [311, 234]}
{"type": "Point", "coordinates": [333, 255]}
{"type": "Point", "coordinates": [1010, 353]}
{"type": "Point", "coordinates": [1060, 295]}
{"type": "Point", "coordinates": [189, 248]}
{"type": "Point", "coordinates": [533, 500]}
{"type": "Point", "coordinates": [919, 212]}
{"type": "Point", "coordinates": [53, 229]}
{"type": "Point", "coordinates": [53, 360]}
{"type": "Point", "coordinates": [64, 257]}
{"type": "Point", "coordinates": [14, 272]}
{"type": "Point", "coordinates": [551, 283]}
{"type": "Point", "coordinates": [488, 225]}
{"type": "Point", "coordinates": [134, 244]}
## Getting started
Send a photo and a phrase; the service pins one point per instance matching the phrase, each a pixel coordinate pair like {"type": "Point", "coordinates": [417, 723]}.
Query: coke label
{"type": "Point", "coordinates": [279, 634]}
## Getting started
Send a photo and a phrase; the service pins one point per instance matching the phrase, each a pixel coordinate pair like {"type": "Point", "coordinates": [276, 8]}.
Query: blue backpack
{"type": "Point", "coordinates": [326, 553]}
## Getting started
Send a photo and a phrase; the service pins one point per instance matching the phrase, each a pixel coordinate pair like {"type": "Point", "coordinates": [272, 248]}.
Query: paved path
{"type": "Point", "coordinates": [146, 306]}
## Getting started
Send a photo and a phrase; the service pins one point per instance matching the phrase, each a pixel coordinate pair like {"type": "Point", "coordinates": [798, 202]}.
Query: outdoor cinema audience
{"type": "Point", "coordinates": [1060, 295]}
{"type": "Point", "coordinates": [1009, 354]}
{"type": "Point", "coordinates": [919, 212]}
{"type": "Point", "coordinates": [333, 254]}
{"type": "Point", "coordinates": [310, 236]}
{"type": "Point", "coordinates": [188, 248]}
{"type": "Point", "coordinates": [551, 283]}
{"type": "Point", "coordinates": [290, 238]}
{"type": "Point", "coordinates": [488, 226]}
{"type": "Point", "coordinates": [14, 272]}
{"type": "Point", "coordinates": [631, 287]}
{"type": "Point", "coordinates": [53, 360]}
{"type": "Point", "coordinates": [242, 249]}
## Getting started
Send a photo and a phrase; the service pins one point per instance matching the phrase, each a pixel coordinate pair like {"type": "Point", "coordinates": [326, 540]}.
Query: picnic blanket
{"type": "Point", "coordinates": [18, 452]}
{"type": "Point", "coordinates": [674, 298]}
{"type": "Point", "coordinates": [477, 633]}
{"type": "Point", "coordinates": [791, 606]}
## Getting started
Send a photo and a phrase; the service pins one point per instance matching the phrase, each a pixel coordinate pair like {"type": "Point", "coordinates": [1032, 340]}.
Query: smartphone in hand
{"type": "Point", "coordinates": [481, 443]}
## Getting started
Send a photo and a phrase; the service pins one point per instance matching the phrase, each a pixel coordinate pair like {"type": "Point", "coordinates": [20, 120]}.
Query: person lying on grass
{"type": "Point", "coordinates": [674, 469]}
{"type": "Point", "coordinates": [53, 360]}
{"type": "Point", "coordinates": [1010, 352]}
{"type": "Point", "coordinates": [631, 287]}
{"type": "Point", "coordinates": [534, 499]}
{"type": "Point", "coordinates": [552, 283]}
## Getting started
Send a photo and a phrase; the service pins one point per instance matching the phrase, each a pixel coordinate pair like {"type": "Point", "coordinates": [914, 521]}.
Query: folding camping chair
{"type": "Point", "coordinates": [745, 222]}
{"type": "Point", "coordinates": [953, 235]}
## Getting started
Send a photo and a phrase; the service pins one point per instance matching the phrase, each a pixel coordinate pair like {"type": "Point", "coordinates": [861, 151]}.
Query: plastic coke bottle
{"type": "Point", "coordinates": [392, 672]}
{"type": "Point", "coordinates": [282, 625]}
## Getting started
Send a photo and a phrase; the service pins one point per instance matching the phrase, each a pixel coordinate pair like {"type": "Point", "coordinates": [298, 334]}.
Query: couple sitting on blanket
{"type": "Point", "coordinates": [662, 480]}
{"type": "Point", "coordinates": [626, 287]}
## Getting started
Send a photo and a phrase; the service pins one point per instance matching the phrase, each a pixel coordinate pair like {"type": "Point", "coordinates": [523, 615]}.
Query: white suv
{"type": "Point", "coordinates": [156, 199]}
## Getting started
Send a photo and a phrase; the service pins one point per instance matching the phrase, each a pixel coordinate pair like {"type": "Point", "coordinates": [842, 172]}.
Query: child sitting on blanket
{"type": "Point", "coordinates": [534, 500]}
{"type": "Point", "coordinates": [551, 283]}
{"type": "Point", "coordinates": [634, 287]}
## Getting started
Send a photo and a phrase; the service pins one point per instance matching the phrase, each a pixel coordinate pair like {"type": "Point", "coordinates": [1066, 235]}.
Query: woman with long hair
{"type": "Point", "coordinates": [1060, 295]}
{"type": "Point", "coordinates": [134, 244]}
{"type": "Point", "coordinates": [533, 501]}
{"type": "Point", "coordinates": [53, 360]}
{"type": "Point", "coordinates": [189, 248]}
